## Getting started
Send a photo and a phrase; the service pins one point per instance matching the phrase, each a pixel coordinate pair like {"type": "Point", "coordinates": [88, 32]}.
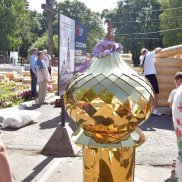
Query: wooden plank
{"type": "Point", "coordinates": [163, 103]}
{"type": "Point", "coordinates": [168, 71]}
{"type": "Point", "coordinates": [168, 62]}
{"type": "Point", "coordinates": [170, 51]}
{"type": "Point", "coordinates": [126, 56]}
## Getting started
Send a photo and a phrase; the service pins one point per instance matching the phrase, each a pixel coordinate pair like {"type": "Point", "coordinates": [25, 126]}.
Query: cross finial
{"type": "Point", "coordinates": [109, 35]}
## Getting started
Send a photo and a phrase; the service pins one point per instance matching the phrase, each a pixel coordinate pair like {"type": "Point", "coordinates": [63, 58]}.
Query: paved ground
{"type": "Point", "coordinates": [153, 159]}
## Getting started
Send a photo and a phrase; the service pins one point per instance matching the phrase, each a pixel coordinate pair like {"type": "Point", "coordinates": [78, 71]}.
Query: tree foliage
{"type": "Point", "coordinates": [132, 18]}
{"type": "Point", "coordinates": [20, 27]}
{"type": "Point", "coordinates": [77, 11]}
{"type": "Point", "coordinates": [171, 19]}
{"type": "Point", "coordinates": [41, 43]}
{"type": "Point", "coordinates": [13, 23]}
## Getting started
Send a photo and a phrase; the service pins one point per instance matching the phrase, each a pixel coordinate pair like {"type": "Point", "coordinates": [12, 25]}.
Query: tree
{"type": "Point", "coordinates": [13, 20]}
{"type": "Point", "coordinates": [171, 19]}
{"type": "Point", "coordinates": [20, 27]}
{"type": "Point", "coordinates": [130, 19]}
{"type": "Point", "coordinates": [32, 31]}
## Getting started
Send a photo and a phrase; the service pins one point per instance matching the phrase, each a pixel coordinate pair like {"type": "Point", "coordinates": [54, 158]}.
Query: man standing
{"type": "Point", "coordinates": [47, 60]}
{"type": "Point", "coordinates": [149, 71]}
{"type": "Point", "coordinates": [33, 73]}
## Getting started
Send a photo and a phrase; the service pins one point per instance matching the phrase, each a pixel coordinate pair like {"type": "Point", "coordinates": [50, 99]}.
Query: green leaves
{"type": "Point", "coordinates": [131, 20]}
{"type": "Point", "coordinates": [20, 27]}
{"type": "Point", "coordinates": [171, 19]}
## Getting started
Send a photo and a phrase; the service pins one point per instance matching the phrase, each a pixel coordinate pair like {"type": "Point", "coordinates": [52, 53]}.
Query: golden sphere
{"type": "Point", "coordinates": [109, 99]}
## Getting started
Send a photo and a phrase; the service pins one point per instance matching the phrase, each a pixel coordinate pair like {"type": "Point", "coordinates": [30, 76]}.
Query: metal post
{"type": "Point", "coordinates": [62, 112]}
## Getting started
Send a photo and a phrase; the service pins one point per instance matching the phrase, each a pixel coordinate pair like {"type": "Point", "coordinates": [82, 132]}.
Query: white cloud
{"type": "Point", "coordinates": [36, 5]}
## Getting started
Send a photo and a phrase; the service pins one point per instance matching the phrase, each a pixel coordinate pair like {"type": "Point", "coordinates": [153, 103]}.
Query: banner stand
{"type": "Point", "coordinates": [62, 112]}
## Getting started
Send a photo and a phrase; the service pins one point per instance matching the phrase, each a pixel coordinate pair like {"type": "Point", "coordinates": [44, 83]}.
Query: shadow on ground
{"type": "Point", "coordinates": [15, 129]}
{"type": "Point", "coordinates": [158, 122]}
{"type": "Point", "coordinates": [52, 123]}
{"type": "Point", "coordinates": [38, 169]}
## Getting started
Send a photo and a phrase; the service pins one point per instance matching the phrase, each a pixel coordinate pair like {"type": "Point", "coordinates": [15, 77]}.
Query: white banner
{"type": "Point", "coordinates": [66, 51]}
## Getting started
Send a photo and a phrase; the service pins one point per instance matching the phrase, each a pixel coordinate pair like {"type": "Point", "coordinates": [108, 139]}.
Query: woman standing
{"type": "Point", "coordinates": [43, 77]}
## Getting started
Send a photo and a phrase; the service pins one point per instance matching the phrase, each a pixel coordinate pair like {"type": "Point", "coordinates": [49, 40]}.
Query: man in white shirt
{"type": "Point", "coordinates": [149, 71]}
{"type": "Point", "coordinates": [33, 73]}
{"type": "Point", "coordinates": [47, 60]}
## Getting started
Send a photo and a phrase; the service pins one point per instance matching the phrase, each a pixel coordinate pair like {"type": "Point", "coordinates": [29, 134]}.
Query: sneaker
{"type": "Point", "coordinates": [156, 112]}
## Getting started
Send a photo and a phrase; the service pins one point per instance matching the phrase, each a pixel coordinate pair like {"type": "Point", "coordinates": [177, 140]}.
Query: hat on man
{"type": "Point", "coordinates": [143, 50]}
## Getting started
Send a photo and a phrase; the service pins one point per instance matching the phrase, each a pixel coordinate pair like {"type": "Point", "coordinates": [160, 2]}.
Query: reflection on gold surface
{"type": "Point", "coordinates": [109, 100]}
{"type": "Point", "coordinates": [108, 166]}
{"type": "Point", "coordinates": [114, 117]}
{"type": "Point", "coordinates": [107, 134]}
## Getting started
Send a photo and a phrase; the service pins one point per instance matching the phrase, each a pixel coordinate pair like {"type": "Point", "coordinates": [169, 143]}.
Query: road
{"type": "Point", "coordinates": [153, 158]}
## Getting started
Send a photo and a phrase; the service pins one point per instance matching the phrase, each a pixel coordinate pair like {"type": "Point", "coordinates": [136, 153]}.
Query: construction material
{"type": "Point", "coordinates": [166, 69]}
{"type": "Point", "coordinates": [170, 51]}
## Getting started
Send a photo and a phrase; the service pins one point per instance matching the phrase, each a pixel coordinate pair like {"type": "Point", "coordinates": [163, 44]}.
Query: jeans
{"type": "Point", "coordinates": [33, 83]}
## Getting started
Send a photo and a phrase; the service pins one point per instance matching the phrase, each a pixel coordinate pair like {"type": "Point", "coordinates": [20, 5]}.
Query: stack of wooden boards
{"type": "Point", "coordinates": [25, 77]}
{"type": "Point", "coordinates": [167, 62]}
{"type": "Point", "coordinates": [127, 58]}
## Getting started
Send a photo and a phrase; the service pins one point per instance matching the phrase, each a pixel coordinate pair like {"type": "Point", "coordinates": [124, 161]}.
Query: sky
{"type": "Point", "coordinates": [94, 5]}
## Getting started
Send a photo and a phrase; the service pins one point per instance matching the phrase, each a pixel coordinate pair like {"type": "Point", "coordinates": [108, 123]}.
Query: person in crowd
{"type": "Point", "coordinates": [43, 77]}
{"type": "Point", "coordinates": [149, 71]}
{"type": "Point", "coordinates": [178, 82]}
{"type": "Point", "coordinates": [177, 122]}
{"type": "Point", "coordinates": [33, 73]}
{"type": "Point", "coordinates": [5, 170]}
{"type": "Point", "coordinates": [47, 60]}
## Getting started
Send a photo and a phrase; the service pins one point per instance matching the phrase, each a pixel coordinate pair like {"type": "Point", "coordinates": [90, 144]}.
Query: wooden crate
{"type": "Point", "coordinates": [10, 75]}
{"type": "Point", "coordinates": [18, 79]}
{"type": "Point", "coordinates": [26, 80]}
{"type": "Point", "coordinates": [54, 74]}
{"type": "Point", "coordinates": [26, 73]}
